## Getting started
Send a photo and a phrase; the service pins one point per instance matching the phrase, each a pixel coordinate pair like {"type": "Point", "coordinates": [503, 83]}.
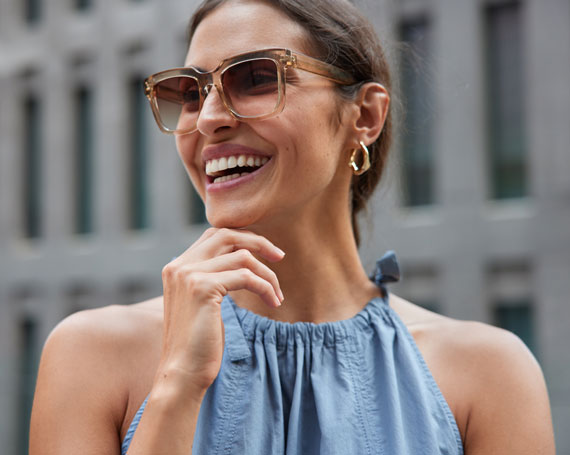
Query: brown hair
{"type": "Point", "coordinates": [345, 38]}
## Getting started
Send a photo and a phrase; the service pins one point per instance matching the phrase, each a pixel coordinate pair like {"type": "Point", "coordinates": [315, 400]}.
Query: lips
{"type": "Point", "coordinates": [226, 162]}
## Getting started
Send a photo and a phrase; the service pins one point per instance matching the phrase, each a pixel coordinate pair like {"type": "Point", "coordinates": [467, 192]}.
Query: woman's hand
{"type": "Point", "coordinates": [221, 260]}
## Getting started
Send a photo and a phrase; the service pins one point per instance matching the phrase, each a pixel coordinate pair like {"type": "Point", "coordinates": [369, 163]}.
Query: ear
{"type": "Point", "coordinates": [371, 110]}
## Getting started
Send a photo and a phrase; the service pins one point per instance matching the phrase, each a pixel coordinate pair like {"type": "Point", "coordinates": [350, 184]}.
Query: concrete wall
{"type": "Point", "coordinates": [458, 252]}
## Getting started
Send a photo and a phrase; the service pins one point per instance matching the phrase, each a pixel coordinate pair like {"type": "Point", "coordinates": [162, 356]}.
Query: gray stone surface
{"type": "Point", "coordinates": [456, 252]}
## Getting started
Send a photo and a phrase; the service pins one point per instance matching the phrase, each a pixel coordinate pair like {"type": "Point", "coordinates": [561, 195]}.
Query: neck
{"type": "Point", "coordinates": [321, 275]}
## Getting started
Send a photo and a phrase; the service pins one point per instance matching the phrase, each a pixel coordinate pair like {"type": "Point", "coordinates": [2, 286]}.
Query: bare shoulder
{"type": "Point", "coordinates": [92, 363]}
{"type": "Point", "coordinates": [111, 323]}
{"type": "Point", "coordinates": [481, 347]}
{"type": "Point", "coordinates": [492, 382]}
{"type": "Point", "coordinates": [102, 347]}
{"type": "Point", "coordinates": [453, 337]}
{"type": "Point", "coordinates": [111, 335]}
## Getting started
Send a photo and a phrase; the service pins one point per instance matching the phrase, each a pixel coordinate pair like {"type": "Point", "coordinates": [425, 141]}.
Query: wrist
{"type": "Point", "coordinates": [173, 387]}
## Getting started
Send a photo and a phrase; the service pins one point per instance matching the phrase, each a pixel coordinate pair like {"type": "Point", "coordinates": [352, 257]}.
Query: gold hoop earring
{"type": "Point", "coordinates": [365, 160]}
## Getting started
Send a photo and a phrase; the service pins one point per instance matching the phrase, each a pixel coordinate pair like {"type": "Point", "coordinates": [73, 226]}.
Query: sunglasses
{"type": "Point", "coordinates": [251, 86]}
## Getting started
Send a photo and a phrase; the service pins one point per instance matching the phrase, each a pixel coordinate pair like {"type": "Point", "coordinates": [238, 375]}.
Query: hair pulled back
{"type": "Point", "coordinates": [344, 37]}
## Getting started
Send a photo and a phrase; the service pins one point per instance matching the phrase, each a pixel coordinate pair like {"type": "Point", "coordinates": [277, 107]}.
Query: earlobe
{"type": "Point", "coordinates": [373, 102]}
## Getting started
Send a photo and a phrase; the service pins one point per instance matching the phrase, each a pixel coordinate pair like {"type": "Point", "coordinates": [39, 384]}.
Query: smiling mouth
{"type": "Point", "coordinates": [227, 168]}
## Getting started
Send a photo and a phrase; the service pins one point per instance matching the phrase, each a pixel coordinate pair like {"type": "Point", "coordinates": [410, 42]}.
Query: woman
{"type": "Point", "coordinates": [264, 341]}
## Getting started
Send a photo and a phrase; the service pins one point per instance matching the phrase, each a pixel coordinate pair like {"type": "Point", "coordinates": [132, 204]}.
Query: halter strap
{"type": "Point", "coordinates": [387, 269]}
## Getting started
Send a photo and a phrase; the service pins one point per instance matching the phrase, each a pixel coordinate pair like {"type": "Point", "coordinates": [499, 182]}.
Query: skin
{"type": "Point", "coordinates": [99, 365]}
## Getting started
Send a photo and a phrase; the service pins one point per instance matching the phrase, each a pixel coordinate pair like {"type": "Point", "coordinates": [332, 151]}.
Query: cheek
{"type": "Point", "coordinates": [318, 141]}
{"type": "Point", "coordinates": [308, 144]}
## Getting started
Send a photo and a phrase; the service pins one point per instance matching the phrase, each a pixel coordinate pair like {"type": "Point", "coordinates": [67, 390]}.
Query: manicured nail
{"type": "Point", "coordinates": [280, 251]}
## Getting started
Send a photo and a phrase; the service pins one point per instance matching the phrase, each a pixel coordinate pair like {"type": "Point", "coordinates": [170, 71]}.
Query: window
{"type": "Point", "coordinates": [422, 285]}
{"type": "Point", "coordinates": [32, 11]}
{"type": "Point", "coordinates": [82, 5]}
{"type": "Point", "coordinates": [26, 380]}
{"type": "Point", "coordinates": [417, 142]}
{"type": "Point", "coordinates": [509, 289]}
{"type": "Point", "coordinates": [83, 160]}
{"type": "Point", "coordinates": [505, 102]}
{"type": "Point", "coordinates": [516, 316]}
{"type": "Point", "coordinates": [138, 197]}
{"type": "Point", "coordinates": [31, 178]}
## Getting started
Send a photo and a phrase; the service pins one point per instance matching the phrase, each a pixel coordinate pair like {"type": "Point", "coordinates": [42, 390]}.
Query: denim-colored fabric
{"type": "Point", "coordinates": [357, 386]}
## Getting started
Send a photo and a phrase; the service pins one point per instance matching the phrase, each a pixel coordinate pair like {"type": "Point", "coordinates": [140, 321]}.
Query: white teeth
{"type": "Point", "coordinates": [223, 163]}
{"type": "Point", "coordinates": [225, 178]}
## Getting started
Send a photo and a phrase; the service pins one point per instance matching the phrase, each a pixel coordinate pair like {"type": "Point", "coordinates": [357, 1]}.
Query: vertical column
{"type": "Point", "coordinates": [459, 151]}
{"type": "Point", "coordinates": [110, 152]}
{"type": "Point", "coordinates": [55, 170]}
{"type": "Point", "coordinates": [10, 198]}
{"type": "Point", "coordinates": [21, 347]}
{"type": "Point", "coordinates": [57, 162]}
{"type": "Point", "coordinates": [548, 60]}
{"type": "Point", "coordinates": [460, 128]}
{"type": "Point", "coordinates": [8, 367]}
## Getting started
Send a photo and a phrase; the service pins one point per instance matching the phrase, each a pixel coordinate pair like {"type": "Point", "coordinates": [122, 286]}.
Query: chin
{"type": "Point", "coordinates": [233, 219]}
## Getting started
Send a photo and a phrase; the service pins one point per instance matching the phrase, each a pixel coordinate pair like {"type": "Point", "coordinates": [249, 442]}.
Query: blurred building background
{"type": "Point", "coordinates": [93, 200]}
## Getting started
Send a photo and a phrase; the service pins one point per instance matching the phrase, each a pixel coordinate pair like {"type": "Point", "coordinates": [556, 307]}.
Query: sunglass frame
{"type": "Point", "coordinates": [283, 58]}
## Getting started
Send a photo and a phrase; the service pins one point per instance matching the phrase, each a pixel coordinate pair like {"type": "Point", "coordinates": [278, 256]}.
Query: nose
{"type": "Point", "coordinates": [214, 116]}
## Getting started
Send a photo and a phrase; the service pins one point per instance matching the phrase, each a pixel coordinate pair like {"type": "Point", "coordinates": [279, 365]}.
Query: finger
{"type": "Point", "coordinates": [194, 249]}
{"type": "Point", "coordinates": [208, 233]}
{"type": "Point", "coordinates": [229, 240]}
{"type": "Point", "coordinates": [235, 280]}
{"type": "Point", "coordinates": [238, 260]}
{"type": "Point", "coordinates": [215, 242]}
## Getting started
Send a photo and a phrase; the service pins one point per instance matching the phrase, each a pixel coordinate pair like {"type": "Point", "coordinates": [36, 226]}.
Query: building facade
{"type": "Point", "coordinates": [476, 201]}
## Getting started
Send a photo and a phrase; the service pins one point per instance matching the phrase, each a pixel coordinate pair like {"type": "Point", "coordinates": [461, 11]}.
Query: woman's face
{"type": "Point", "coordinates": [304, 149]}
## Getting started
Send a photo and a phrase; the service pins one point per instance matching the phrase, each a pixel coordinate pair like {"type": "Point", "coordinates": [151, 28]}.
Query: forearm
{"type": "Point", "coordinates": [169, 420]}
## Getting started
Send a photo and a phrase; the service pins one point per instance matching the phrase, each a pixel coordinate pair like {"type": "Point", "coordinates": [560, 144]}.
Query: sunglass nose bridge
{"type": "Point", "coordinates": [207, 89]}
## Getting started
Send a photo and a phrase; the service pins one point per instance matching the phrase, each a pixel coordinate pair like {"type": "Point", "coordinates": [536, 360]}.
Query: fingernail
{"type": "Point", "coordinates": [281, 296]}
{"type": "Point", "coordinates": [280, 251]}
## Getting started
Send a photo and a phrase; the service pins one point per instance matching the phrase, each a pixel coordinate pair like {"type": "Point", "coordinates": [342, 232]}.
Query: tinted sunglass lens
{"type": "Point", "coordinates": [252, 87]}
{"type": "Point", "coordinates": [178, 101]}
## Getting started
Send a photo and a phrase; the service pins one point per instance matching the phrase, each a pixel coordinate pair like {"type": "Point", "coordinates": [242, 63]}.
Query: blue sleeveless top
{"type": "Point", "coordinates": [356, 386]}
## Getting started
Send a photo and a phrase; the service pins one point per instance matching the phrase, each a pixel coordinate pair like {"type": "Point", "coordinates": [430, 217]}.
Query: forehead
{"type": "Point", "coordinates": [242, 26]}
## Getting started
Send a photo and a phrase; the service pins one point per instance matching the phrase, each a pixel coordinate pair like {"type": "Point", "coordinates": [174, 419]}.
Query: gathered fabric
{"type": "Point", "coordinates": [356, 386]}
